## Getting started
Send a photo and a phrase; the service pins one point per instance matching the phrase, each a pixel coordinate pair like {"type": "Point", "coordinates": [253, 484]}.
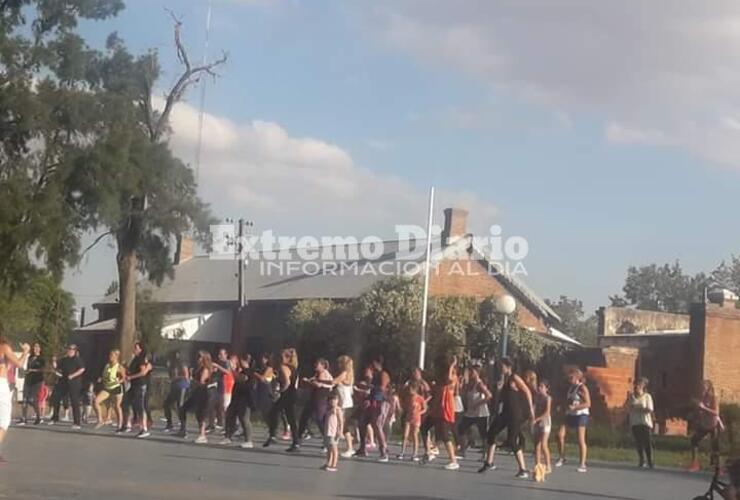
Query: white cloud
{"type": "Point", "coordinates": [659, 72]}
{"type": "Point", "coordinates": [258, 169]}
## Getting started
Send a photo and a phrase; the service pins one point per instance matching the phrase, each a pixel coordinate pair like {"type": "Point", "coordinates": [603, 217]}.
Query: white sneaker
{"type": "Point", "coordinates": [560, 462]}
{"type": "Point", "coordinates": [225, 441]}
{"type": "Point", "coordinates": [582, 468]}
{"type": "Point", "coordinates": [76, 428]}
{"type": "Point", "coordinates": [347, 454]}
{"type": "Point", "coordinates": [452, 466]}
{"type": "Point", "coordinates": [247, 445]}
{"type": "Point", "coordinates": [383, 459]}
{"type": "Point", "coordinates": [201, 440]}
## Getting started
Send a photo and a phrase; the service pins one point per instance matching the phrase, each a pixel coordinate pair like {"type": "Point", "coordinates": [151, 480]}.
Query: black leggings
{"type": "Point", "coordinates": [135, 399]}
{"type": "Point", "coordinates": [481, 423]}
{"type": "Point", "coordinates": [713, 434]}
{"type": "Point", "coordinates": [176, 398]}
{"type": "Point", "coordinates": [31, 398]}
{"type": "Point", "coordinates": [285, 403]}
{"type": "Point", "coordinates": [71, 389]}
{"type": "Point", "coordinates": [514, 434]}
{"type": "Point", "coordinates": [643, 443]}
{"type": "Point", "coordinates": [238, 410]}
{"type": "Point", "coordinates": [197, 402]}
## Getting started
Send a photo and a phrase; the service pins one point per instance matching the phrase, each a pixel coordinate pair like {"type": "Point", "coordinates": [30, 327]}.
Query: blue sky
{"type": "Point", "coordinates": [605, 135]}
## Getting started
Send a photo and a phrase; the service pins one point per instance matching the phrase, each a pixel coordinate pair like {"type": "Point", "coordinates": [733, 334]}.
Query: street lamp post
{"type": "Point", "coordinates": [505, 305]}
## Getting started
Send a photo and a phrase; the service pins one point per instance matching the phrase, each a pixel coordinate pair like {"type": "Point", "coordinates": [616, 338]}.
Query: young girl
{"type": "Point", "coordinates": [333, 429]}
{"type": "Point", "coordinates": [542, 425]}
{"type": "Point", "coordinates": [344, 383]}
{"type": "Point", "coordinates": [414, 407]}
{"type": "Point", "coordinates": [640, 406]}
{"type": "Point", "coordinates": [578, 404]}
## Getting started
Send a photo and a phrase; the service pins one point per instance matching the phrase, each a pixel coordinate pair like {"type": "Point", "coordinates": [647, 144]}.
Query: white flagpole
{"type": "Point", "coordinates": [199, 145]}
{"type": "Point", "coordinates": [425, 299]}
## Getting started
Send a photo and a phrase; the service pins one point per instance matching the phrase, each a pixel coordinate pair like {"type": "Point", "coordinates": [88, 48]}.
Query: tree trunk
{"type": "Point", "coordinates": [127, 274]}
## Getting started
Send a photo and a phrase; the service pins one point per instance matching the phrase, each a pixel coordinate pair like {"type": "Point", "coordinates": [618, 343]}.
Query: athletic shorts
{"type": "Point", "coordinates": [6, 404]}
{"type": "Point", "coordinates": [330, 441]}
{"type": "Point", "coordinates": [576, 421]}
{"type": "Point", "coordinates": [116, 391]}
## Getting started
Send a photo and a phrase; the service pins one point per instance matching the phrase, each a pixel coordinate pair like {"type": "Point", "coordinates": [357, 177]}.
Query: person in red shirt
{"type": "Point", "coordinates": [442, 410]}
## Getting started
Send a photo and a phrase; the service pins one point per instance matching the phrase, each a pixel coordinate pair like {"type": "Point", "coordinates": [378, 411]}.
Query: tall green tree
{"type": "Point", "coordinates": [45, 107]}
{"type": "Point", "coordinates": [131, 185]}
{"type": "Point", "coordinates": [661, 288]}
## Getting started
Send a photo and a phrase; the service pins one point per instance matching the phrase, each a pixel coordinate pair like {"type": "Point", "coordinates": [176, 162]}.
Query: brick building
{"type": "Point", "coordinates": [203, 304]}
{"type": "Point", "coordinates": [674, 351]}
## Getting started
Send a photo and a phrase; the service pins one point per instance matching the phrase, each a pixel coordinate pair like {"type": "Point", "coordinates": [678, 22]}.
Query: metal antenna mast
{"type": "Point", "coordinates": [199, 147]}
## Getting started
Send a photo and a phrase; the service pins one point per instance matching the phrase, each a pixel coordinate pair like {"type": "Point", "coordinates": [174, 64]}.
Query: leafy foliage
{"type": "Point", "coordinates": [575, 322]}
{"type": "Point", "coordinates": [149, 321]}
{"type": "Point", "coordinates": [661, 288]}
{"type": "Point", "coordinates": [45, 108]}
{"type": "Point", "coordinates": [41, 312]}
{"type": "Point", "coordinates": [385, 320]}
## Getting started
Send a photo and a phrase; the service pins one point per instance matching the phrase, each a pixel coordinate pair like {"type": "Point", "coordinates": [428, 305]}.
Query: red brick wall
{"type": "Point", "coordinates": [721, 357]}
{"type": "Point", "coordinates": [470, 278]}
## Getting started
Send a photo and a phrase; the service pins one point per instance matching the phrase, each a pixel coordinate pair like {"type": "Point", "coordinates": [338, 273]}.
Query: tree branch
{"type": "Point", "coordinates": [97, 240]}
{"type": "Point", "coordinates": [189, 76]}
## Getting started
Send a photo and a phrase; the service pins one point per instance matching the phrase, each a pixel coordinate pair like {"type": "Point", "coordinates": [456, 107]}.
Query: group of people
{"type": "Point", "coordinates": [225, 392]}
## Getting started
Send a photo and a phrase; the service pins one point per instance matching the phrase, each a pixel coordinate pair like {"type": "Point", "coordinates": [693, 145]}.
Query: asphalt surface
{"type": "Point", "coordinates": [58, 463]}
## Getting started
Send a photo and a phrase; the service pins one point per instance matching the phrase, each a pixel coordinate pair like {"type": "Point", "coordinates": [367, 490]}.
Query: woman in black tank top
{"type": "Point", "coordinates": [288, 382]}
{"type": "Point", "coordinates": [198, 399]}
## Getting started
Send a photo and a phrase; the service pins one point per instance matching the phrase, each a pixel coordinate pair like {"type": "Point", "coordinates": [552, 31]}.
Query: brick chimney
{"type": "Point", "coordinates": [456, 225]}
{"type": "Point", "coordinates": [184, 250]}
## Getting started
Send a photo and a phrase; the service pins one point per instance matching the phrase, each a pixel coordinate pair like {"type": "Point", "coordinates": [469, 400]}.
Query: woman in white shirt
{"type": "Point", "coordinates": [641, 409]}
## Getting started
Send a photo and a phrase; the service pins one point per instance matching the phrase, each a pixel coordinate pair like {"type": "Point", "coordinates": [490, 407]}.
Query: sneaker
{"type": "Point", "coordinates": [486, 467]}
{"type": "Point", "coordinates": [452, 466]}
{"type": "Point", "coordinates": [522, 474]}
{"type": "Point", "coordinates": [416, 459]}
{"type": "Point", "coordinates": [225, 441]}
{"type": "Point", "coordinates": [76, 427]}
{"type": "Point", "coordinates": [201, 440]}
{"type": "Point", "coordinates": [560, 462]}
{"type": "Point", "coordinates": [127, 429]}
{"type": "Point", "coordinates": [582, 468]}
{"type": "Point", "coordinates": [143, 434]}
{"type": "Point", "coordinates": [383, 459]}
{"type": "Point", "coordinates": [359, 454]}
{"type": "Point", "coordinates": [400, 457]}
{"type": "Point", "coordinates": [294, 448]}
{"type": "Point", "coordinates": [271, 440]}
{"type": "Point", "coordinates": [247, 445]}
{"type": "Point", "coordinates": [331, 469]}
{"type": "Point", "coordinates": [347, 454]}
{"type": "Point", "coordinates": [168, 430]}
{"type": "Point", "coordinates": [429, 457]}
{"type": "Point", "coordinates": [98, 426]}
{"type": "Point", "coordinates": [20, 424]}
{"type": "Point", "coordinates": [50, 422]}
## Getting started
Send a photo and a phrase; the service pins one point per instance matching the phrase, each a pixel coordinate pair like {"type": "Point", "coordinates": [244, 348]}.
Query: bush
{"type": "Point", "coordinates": [730, 414]}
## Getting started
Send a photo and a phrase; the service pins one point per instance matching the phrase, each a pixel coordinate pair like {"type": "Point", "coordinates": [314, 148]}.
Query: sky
{"type": "Point", "coordinates": [605, 133]}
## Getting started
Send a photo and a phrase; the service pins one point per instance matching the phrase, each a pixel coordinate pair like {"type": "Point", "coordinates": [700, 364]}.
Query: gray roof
{"type": "Point", "coordinates": [204, 279]}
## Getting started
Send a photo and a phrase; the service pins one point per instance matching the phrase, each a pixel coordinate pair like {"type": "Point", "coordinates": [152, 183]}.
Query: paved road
{"type": "Point", "coordinates": [56, 463]}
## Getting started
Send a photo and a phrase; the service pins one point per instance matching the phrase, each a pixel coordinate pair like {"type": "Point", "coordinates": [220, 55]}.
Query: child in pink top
{"type": "Point", "coordinates": [333, 430]}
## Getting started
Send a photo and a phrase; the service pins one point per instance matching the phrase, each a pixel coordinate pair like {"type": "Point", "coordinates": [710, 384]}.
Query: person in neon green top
{"type": "Point", "coordinates": [112, 379]}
